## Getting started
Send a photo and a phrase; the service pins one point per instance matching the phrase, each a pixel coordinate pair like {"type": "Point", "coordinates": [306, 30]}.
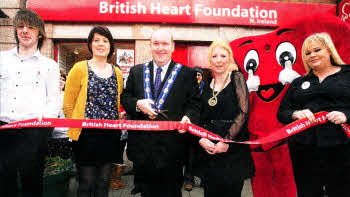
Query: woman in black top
{"type": "Point", "coordinates": [224, 111]}
{"type": "Point", "coordinates": [320, 154]}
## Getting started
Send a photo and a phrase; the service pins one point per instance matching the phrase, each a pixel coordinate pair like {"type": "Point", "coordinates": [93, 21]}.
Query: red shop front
{"type": "Point", "coordinates": [194, 23]}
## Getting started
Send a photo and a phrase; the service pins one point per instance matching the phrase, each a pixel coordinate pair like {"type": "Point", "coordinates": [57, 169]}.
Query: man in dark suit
{"type": "Point", "coordinates": [159, 90]}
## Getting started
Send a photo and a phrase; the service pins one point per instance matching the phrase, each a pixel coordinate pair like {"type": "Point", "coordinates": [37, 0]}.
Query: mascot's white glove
{"type": "Point", "coordinates": [253, 82]}
{"type": "Point", "coordinates": [287, 75]}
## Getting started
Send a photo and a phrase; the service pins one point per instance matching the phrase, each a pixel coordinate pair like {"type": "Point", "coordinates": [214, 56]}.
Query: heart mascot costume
{"type": "Point", "coordinates": [270, 62]}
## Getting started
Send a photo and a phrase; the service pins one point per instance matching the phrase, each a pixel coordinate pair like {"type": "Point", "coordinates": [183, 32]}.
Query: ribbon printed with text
{"type": "Point", "coordinates": [284, 132]}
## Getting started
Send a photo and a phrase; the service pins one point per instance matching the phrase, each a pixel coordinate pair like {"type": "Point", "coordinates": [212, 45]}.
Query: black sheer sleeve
{"type": "Point", "coordinates": [193, 106]}
{"type": "Point", "coordinates": [243, 104]}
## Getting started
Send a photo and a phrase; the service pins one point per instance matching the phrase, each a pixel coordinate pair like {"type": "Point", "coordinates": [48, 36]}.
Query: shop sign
{"type": "Point", "coordinates": [213, 12]}
{"type": "Point", "coordinates": [344, 10]}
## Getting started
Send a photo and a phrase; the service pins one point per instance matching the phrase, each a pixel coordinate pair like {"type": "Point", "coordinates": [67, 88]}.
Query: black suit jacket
{"type": "Point", "coordinates": [160, 148]}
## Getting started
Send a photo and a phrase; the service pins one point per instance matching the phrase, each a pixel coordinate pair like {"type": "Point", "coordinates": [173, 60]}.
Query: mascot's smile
{"type": "Point", "coordinates": [268, 93]}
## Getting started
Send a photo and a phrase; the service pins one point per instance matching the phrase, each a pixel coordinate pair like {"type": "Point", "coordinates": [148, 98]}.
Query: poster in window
{"type": "Point", "coordinates": [125, 59]}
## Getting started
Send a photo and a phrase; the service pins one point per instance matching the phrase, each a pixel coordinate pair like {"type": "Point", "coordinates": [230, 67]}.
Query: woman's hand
{"type": "Point", "coordinates": [336, 117]}
{"type": "Point", "coordinates": [184, 120]}
{"type": "Point", "coordinates": [221, 147]}
{"type": "Point", "coordinates": [123, 115]}
{"type": "Point", "coordinates": [306, 113]}
{"type": "Point", "coordinates": [208, 145]}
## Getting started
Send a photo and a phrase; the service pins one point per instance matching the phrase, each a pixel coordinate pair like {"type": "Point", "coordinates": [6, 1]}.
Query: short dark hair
{"type": "Point", "coordinates": [198, 70]}
{"type": "Point", "coordinates": [63, 75]}
{"type": "Point", "coordinates": [29, 17]}
{"type": "Point", "coordinates": [103, 31]}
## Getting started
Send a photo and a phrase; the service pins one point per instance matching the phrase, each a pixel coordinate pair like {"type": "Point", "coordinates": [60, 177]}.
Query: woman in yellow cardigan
{"type": "Point", "coordinates": [93, 89]}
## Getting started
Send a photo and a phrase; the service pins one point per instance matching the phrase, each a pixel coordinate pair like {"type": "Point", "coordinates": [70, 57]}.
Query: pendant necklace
{"type": "Point", "coordinates": [214, 99]}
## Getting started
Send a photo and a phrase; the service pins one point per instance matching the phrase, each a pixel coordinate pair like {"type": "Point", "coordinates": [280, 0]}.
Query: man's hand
{"type": "Point", "coordinates": [184, 120]}
{"type": "Point", "coordinates": [39, 117]}
{"type": "Point", "coordinates": [145, 105]}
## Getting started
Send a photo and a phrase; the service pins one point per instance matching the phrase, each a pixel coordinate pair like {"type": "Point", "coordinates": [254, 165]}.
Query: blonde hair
{"type": "Point", "coordinates": [224, 45]}
{"type": "Point", "coordinates": [326, 40]}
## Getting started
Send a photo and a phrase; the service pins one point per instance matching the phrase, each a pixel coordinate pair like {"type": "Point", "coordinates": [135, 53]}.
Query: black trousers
{"type": "Point", "coordinates": [219, 182]}
{"type": "Point", "coordinates": [22, 152]}
{"type": "Point", "coordinates": [319, 167]}
{"type": "Point", "coordinates": [188, 173]}
{"type": "Point", "coordinates": [159, 182]}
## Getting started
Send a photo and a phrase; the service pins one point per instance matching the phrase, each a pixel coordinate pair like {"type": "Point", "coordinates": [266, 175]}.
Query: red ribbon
{"type": "Point", "coordinates": [284, 132]}
{"type": "Point", "coordinates": [92, 123]}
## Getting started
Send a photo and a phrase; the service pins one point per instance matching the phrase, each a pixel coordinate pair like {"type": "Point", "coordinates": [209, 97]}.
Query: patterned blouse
{"type": "Point", "coordinates": [101, 102]}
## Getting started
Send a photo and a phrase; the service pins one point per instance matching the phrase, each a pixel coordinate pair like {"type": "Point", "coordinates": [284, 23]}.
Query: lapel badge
{"type": "Point", "coordinates": [305, 85]}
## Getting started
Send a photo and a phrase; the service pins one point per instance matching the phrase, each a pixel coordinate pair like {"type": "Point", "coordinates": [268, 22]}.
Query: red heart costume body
{"type": "Point", "coordinates": [274, 60]}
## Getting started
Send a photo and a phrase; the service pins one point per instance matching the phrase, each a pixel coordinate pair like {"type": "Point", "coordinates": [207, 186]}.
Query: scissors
{"type": "Point", "coordinates": [158, 111]}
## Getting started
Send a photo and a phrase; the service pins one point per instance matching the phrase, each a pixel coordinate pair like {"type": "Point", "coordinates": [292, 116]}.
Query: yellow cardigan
{"type": "Point", "coordinates": [76, 92]}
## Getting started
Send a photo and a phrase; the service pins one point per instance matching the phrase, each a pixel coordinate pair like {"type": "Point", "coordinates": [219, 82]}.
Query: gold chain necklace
{"type": "Point", "coordinates": [214, 99]}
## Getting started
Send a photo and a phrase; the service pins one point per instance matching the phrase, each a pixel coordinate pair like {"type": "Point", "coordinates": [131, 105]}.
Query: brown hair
{"type": "Point", "coordinates": [103, 31]}
{"type": "Point", "coordinates": [29, 17]}
{"type": "Point", "coordinates": [63, 74]}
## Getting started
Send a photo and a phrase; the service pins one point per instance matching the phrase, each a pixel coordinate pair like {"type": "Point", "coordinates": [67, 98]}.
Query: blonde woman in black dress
{"type": "Point", "coordinates": [224, 111]}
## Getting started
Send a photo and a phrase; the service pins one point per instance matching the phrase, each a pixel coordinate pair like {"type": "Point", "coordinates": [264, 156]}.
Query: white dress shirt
{"type": "Point", "coordinates": [164, 70]}
{"type": "Point", "coordinates": [29, 88]}
{"type": "Point", "coordinates": [60, 132]}
{"type": "Point", "coordinates": [162, 74]}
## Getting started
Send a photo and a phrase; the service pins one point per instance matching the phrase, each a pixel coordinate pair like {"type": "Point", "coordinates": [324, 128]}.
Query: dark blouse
{"type": "Point", "coordinates": [232, 107]}
{"type": "Point", "coordinates": [332, 94]}
{"type": "Point", "coordinates": [228, 118]}
{"type": "Point", "coordinates": [99, 145]}
{"type": "Point", "coordinates": [101, 102]}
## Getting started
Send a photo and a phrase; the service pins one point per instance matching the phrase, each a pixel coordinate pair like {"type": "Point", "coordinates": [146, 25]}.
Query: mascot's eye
{"type": "Point", "coordinates": [285, 52]}
{"type": "Point", "coordinates": [251, 61]}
